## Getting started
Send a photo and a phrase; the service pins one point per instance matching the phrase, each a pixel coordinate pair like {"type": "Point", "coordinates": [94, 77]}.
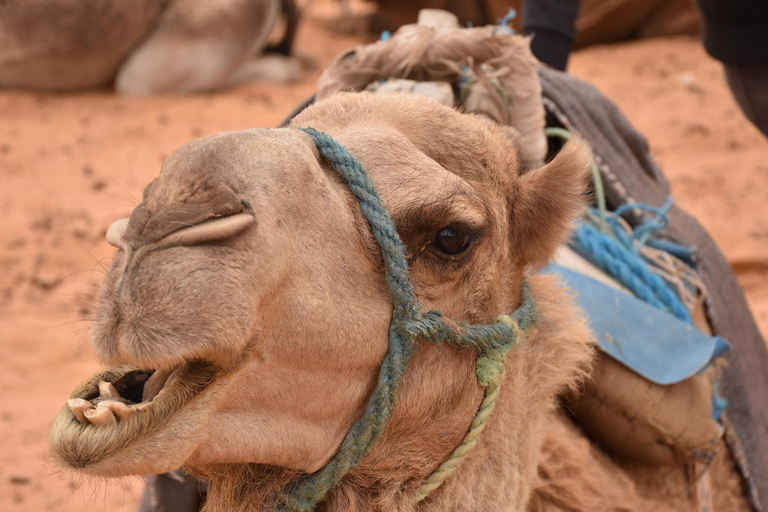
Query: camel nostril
{"type": "Point", "coordinates": [115, 233]}
{"type": "Point", "coordinates": [211, 230]}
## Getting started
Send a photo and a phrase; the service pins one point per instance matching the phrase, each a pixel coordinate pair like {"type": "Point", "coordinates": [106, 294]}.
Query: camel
{"type": "Point", "coordinates": [144, 47]}
{"type": "Point", "coordinates": [246, 314]}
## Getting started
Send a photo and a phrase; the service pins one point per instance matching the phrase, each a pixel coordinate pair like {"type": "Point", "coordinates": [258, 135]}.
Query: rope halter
{"type": "Point", "coordinates": [409, 323]}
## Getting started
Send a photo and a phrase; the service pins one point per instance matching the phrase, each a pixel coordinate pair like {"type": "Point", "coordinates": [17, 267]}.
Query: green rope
{"type": "Point", "coordinates": [453, 461]}
{"type": "Point", "coordinates": [408, 324]}
{"type": "Point", "coordinates": [489, 369]}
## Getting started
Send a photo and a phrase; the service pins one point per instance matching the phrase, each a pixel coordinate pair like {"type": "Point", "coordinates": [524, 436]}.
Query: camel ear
{"type": "Point", "coordinates": [548, 202]}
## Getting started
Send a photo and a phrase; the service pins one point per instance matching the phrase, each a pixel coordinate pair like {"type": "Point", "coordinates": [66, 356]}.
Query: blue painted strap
{"type": "Point", "coordinates": [651, 342]}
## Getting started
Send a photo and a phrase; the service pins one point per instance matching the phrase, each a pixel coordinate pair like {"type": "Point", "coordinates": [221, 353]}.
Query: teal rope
{"type": "Point", "coordinates": [644, 231]}
{"type": "Point", "coordinates": [618, 254]}
{"type": "Point", "coordinates": [408, 324]}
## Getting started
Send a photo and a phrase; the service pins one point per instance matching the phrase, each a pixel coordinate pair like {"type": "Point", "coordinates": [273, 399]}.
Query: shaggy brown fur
{"type": "Point", "coordinates": [293, 306]}
{"type": "Point", "coordinates": [576, 475]}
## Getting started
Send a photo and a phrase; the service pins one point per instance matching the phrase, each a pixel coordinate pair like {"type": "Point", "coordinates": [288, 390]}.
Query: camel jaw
{"type": "Point", "coordinates": [122, 421]}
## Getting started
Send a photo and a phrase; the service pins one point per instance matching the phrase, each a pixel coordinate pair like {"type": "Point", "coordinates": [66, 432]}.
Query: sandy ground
{"type": "Point", "coordinates": [71, 164]}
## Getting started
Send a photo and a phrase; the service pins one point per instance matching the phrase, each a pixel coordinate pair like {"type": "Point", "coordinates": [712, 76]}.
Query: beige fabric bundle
{"type": "Point", "coordinates": [646, 422]}
{"type": "Point", "coordinates": [497, 70]}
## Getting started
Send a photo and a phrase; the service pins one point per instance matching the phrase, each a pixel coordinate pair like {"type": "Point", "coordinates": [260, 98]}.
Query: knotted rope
{"type": "Point", "coordinates": [627, 268]}
{"type": "Point", "coordinates": [606, 242]}
{"type": "Point", "coordinates": [409, 323]}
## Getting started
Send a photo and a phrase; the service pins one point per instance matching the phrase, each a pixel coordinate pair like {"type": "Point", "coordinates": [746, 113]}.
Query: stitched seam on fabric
{"type": "Point", "coordinates": [617, 185]}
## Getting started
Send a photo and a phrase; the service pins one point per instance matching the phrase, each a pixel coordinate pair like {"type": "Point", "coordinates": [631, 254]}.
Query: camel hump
{"type": "Point", "coordinates": [69, 44]}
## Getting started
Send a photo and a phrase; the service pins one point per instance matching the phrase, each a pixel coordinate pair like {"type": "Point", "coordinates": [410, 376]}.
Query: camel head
{"type": "Point", "coordinates": [245, 314]}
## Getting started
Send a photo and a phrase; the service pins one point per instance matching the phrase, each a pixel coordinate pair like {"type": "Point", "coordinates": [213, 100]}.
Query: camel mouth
{"type": "Point", "coordinates": [123, 393]}
{"type": "Point", "coordinates": [132, 393]}
{"type": "Point", "coordinates": [117, 408]}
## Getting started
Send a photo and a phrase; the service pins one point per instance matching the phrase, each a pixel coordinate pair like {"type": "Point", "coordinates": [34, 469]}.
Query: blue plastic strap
{"type": "Point", "coordinates": [651, 342]}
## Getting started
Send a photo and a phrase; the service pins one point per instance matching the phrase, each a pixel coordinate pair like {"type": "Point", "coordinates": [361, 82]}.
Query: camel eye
{"type": "Point", "coordinates": [453, 240]}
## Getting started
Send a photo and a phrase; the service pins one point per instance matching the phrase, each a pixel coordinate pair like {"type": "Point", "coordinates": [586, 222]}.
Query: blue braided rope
{"type": "Point", "coordinates": [646, 229]}
{"type": "Point", "coordinates": [620, 258]}
{"type": "Point", "coordinates": [408, 324]}
{"type": "Point", "coordinates": [627, 267]}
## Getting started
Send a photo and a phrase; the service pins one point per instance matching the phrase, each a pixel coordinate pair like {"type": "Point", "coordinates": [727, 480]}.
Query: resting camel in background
{"type": "Point", "coordinates": [249, 281]}
{"type": "Point", "coordinates": [143, 46]}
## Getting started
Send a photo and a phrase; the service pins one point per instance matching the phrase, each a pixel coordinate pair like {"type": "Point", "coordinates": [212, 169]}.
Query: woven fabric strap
{"type": "Point", "coordinates": [409, 324]}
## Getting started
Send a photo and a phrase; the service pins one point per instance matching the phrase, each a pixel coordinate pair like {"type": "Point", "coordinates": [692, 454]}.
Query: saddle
{"type": "Point", "coordinates": [681, 365]}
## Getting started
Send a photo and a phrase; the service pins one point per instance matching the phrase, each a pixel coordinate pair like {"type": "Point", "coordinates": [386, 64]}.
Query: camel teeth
{"type": "Point", "coordinates": [155, 383]}
{"type": "Point", "coordinates": [101, 416]}
{"type": "Point", "coordinates": [119, 409]}
{"type": "Point", "coordinates": [78, 406]}
{"type": "Point", "coordinates": [107, 390]}
{"type": "Point", "coordinates": [172, 378]}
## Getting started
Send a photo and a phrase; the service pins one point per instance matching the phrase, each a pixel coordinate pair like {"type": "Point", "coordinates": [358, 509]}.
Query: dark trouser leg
{"type": "Point", "coordinates": [172, 492]}
{"type": "Point", "coordinates": [749, 85]}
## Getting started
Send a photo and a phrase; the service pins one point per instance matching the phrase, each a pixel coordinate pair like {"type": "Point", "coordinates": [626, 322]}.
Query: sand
{"type": "Point", "coordinates": [71, 164]}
